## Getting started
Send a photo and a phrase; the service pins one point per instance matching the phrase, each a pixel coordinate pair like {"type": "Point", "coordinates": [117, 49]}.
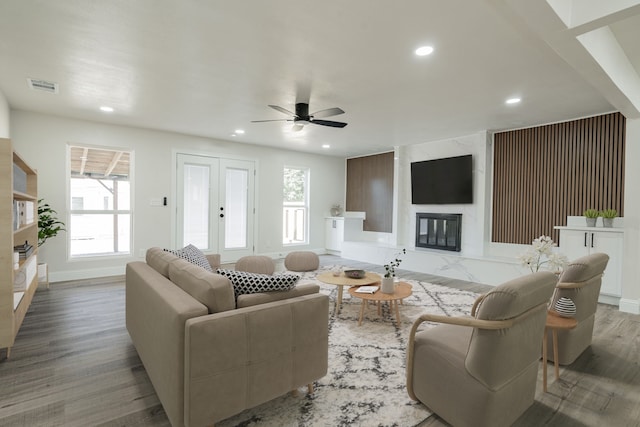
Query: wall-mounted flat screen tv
{"type": "Point", "coordinates": [442, 181]}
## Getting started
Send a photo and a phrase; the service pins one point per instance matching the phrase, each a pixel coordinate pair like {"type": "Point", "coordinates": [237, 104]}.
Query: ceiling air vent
{"type": "Point", "coordinates": [43, 85]}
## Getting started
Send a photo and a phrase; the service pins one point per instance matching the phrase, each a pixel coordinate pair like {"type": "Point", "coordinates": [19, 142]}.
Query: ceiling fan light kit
{"type": "Point", "coordinates": [302, 117]}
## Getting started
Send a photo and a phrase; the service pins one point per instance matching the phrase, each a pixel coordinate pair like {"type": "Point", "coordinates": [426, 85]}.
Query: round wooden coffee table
{"type": "Point", "coordinates": [402, 290]}
{"type": "Point", "coordinates": [341, 281]}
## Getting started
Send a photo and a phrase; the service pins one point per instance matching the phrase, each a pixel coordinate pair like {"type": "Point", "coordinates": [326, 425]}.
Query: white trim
{"type": "Point", "coordinates": [92, 273]}
{"type": "Point", "coordinates": [629, 305]}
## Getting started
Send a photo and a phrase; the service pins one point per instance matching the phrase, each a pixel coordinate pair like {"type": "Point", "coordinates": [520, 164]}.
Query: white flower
{"type": "Point", "coordinates": [541, 254]}
{"type": "Point", "coordinates": [557, 261]}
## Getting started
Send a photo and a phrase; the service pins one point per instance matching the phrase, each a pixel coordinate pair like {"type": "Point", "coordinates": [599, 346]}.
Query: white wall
{"type": "Point", "coordinates": [4, 117]}
{"type": "Point", "coordinates": [630, 301]}
{"type": "Point", "coordinates": [42, 140]}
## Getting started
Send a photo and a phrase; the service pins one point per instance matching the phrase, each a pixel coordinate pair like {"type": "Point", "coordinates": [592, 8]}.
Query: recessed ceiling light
{"type": "Point", "coordinates": [106, 109]}
{"type": "Point", "coordinates": [326, 146]}
{"type": "Point", "coordinates": [239, 131]}
{"type": "Point", "coordinates": [424, 50]}
{"type": "Point", "coordinates": [512, 100]}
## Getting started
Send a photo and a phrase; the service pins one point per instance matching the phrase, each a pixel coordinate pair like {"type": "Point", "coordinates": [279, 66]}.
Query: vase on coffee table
{"type": "Point", "coordinates": [387, 285]}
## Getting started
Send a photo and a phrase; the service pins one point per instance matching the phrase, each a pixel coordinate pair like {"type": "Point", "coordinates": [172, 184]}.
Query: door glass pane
{"type": "Point", "coordinates": [235, 225]}
{"type": "Point", "coordinates": [196, 206]}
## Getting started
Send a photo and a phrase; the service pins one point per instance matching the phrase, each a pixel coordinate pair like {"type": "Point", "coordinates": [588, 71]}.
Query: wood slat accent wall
{"type": "Point", "coordinates": [370, 190]}
{"type": "Point", "coordinates": [542, 175]}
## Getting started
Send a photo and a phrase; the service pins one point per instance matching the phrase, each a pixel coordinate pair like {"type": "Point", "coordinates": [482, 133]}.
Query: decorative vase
{"type": "Point", "coordinates": [565, 307]}
{"type": "Point", "coordinates": [591, 222]}
{"type": "Point", "coordinates": [336, 210]}
{"type": "Point", "coordinates": [607, 222]}
{"type": "Point", "coordinates": [388, 285]}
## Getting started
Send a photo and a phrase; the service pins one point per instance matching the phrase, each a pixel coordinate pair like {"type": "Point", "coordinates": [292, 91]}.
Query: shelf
{"type": "Point", "coordinates": [17, 286]}
{"type": "Point", "coordinates": [18, 195]}
{"type": "Point", "coordinates": [591, 229]}
{"type": "Point", "coordinates": [25, 227]}
{"type": "Point", "coordinates": [17, 297]}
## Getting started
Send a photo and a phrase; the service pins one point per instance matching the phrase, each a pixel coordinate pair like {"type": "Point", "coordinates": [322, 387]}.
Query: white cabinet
{"type": "Point", "coordinates": [576, 242]}
{"type": "Point", "coordinates": [334, 233]}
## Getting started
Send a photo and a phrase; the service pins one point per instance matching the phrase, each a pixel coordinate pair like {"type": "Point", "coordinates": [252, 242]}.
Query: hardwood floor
{"type": "Point", "coordinates": [73, 364]}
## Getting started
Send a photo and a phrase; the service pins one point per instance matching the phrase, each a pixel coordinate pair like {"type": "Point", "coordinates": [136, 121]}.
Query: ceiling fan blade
{"type": "Point", "coordinates": [328, 112]}
{"type": "Point", "coordinates": [282, 110]}
{"type": "Point", "coordinates": [297, 128]}
{"type": "Point", "coordinates": [276, 120]}
{"type": "Point", "coordinates": [329, 123]}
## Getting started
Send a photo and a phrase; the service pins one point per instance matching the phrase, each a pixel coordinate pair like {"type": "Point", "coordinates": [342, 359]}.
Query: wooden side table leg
{"type": "Point", "coordinates": [361, 312]}
{"type": "Point", "coordinates": [395, 303]}
{"type": "Point", "coordinates": [544, 360]}
{"type": "Point", "coordinates": [339, 300]}
{"type": "Point", "coordinates": [554, 332]}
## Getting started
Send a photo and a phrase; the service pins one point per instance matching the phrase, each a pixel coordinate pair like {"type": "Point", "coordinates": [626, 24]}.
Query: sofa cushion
{"type": "Point", "coordinates": [251, 283]}
{"type": "Point", "coordinates": [193, 255]}
{"type": "Point", "coordinates": [213, 290]}
{"type": "Point", "coordinates": [248, 300]}
{"type": "Point", "coordinates": [159, 260]}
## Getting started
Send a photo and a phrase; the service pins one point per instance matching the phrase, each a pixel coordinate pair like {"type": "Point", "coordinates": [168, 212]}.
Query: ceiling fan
{"type": "Point", "coordinates": [302, 117]}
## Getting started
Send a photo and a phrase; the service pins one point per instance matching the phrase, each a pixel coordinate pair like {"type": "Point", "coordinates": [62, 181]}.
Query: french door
{"type": "Point", "coordinates": [215, 205]}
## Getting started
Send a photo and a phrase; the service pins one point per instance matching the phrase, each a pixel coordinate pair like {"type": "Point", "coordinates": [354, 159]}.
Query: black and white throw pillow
{"type": "Point", "coordinates": [193, 255]}
{"type": "Point", "coordinates": [251, 283]}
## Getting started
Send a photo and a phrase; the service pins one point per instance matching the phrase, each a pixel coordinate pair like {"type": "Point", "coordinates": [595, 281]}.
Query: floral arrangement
{"type": "Point", "coordinates": [541, 254]}
{"type": "Point", "coordinates": [390, 268]}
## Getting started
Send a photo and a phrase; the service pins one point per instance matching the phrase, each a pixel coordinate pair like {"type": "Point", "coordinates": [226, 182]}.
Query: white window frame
{"type": "Point", "coordinates": [71, 212]}
{"type": "Point", "coordinates": [296, 211]}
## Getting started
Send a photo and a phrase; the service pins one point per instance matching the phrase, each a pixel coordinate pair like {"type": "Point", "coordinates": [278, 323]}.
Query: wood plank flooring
{"type": "Point", "coordinates": [73, 364]}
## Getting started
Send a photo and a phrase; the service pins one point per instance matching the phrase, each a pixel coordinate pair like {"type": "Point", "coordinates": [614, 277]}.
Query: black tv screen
{"type": "Point", "coordinates": [442, 181]}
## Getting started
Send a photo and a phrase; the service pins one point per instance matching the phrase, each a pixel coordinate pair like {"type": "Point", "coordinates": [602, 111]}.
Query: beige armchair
{"type": "Point", "coordinates": [482, 370]}
{"type": "Point", "coordinates": [579, 282]}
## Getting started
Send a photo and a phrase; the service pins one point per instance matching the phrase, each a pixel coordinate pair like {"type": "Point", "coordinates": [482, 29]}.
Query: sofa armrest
{"type": "Point", "coordinates": [238, 359]}
{"type": "Point", "coordinates": [156, 312]}
{"type": "Point", "coordinates": [248, 300]}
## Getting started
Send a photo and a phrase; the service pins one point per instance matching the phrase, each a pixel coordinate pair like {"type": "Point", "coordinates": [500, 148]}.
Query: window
{"type": "Point", "coordinates": [295, 206]}
{"type": "Point", "coordinates": [100, 199]}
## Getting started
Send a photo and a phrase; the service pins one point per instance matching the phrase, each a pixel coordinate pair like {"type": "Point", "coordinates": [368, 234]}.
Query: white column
{"type": "Point", "coordinates": [630, 301]}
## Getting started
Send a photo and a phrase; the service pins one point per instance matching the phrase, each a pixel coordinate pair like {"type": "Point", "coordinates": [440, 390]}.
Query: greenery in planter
{"type": "Point", "coordinates": [609, 213]}
{"type": "Point", "coordinates": [48, 224]}
{"type": "Point", "coordinates": [591, 213]}
{"type": "Point", "coordinates": [390, 268]}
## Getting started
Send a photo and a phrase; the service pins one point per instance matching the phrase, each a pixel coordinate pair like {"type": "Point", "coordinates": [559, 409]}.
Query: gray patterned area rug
{"type": "Point", "coordinates": [365, 383]}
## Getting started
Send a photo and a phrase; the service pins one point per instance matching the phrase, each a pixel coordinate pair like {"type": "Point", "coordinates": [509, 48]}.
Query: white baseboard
{"type": "Point", "coordinates": [62, 276]}
{"type": "Point", "coordinates": [629, 305]}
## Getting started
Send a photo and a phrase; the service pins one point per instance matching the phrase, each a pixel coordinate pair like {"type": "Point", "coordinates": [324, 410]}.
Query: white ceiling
{"type": "Point", "coordinates": [207, 68]}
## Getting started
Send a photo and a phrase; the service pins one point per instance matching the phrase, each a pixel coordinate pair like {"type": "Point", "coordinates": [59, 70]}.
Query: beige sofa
{"type": "Point", "coordinates": [209, 360]}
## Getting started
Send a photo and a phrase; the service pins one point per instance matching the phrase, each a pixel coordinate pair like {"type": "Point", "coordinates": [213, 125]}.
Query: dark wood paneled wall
{"type": "Point", "coordinates": [370, 190]}
{"type": "Point", "coordinates": [542, 175]}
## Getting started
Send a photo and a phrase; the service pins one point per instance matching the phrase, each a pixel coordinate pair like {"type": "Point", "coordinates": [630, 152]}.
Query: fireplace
{"type": "Point", "coordinates": [439, 231]}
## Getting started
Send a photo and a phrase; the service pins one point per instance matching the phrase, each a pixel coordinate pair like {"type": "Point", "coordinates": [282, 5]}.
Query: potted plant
{"type": "Point", "coordinates": [607, 217]}
{"type": "Point", "coordinates": [591, 215]}
{"type": "Point", "coordinates": [48, 226]}
{"type": "Point", "coordinates": [390, 273]}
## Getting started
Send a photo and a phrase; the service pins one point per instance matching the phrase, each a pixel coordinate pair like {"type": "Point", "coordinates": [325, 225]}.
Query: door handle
{"type": "Point", "coordinates": [592, 239]}
{"type": "Point", "coordinates": [585, 239]}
